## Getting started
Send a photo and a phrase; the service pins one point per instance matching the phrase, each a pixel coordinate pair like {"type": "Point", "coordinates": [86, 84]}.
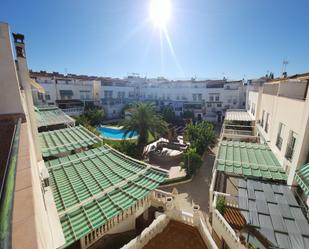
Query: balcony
{"type": "Point", "coordinates": [9, 146]}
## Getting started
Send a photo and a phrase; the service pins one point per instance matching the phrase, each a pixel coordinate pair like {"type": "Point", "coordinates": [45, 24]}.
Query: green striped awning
{"type": "Point", "coordinates": [250, 160]}
{"type": "Point", "coordinates": [302, 177]}
{"type": "Point", "coordinates": [94, 186]}
{"type": "Point", "coordinates": [63, 141]}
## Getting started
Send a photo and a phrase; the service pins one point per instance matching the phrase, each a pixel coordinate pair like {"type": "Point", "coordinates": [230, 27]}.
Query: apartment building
{"type": "Point", "coordinates": [281, 108]}
{"type": "Point", "coordinates": [207, 99]}
{"type": "Point", "coordinates": [70, 92]}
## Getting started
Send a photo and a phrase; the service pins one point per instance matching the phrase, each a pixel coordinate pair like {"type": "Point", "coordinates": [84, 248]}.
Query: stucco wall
{"type": "Point", "coordinates": [10, 96]}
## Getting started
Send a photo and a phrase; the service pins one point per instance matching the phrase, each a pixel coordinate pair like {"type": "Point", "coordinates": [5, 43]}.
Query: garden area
{"type": "Point", "coordinates": [146, 126]}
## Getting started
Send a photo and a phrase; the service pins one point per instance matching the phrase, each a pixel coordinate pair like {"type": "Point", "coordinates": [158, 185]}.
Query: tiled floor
{"type": "Point", "coordinates": [177, 235]}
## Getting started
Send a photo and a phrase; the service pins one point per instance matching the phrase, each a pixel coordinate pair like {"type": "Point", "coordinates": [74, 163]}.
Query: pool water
{"type": "Point", "coordinates": [114, 133]}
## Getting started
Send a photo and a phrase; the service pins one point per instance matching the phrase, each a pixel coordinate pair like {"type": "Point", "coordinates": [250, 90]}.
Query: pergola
{"type": "Point", "coordinates": [51, 116]}
{"type": "Point", "coordinates": [93, 187]}
{"type": "Point", "coordinates": [251, 160]}
{"type": "Point", "coordinates": [238, 125]}
{"type": "Point", "coordinates": [63, 141]}
{"type": "Point", "coordinates": [302, 177]}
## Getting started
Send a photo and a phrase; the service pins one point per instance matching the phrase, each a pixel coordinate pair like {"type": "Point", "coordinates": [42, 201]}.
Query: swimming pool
{"type": "Point", "coordinates": [114, 133]}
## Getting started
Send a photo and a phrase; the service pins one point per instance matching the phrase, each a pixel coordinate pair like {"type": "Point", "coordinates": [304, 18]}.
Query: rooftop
{"type": "Point", "coordinates": [273, 211]}
{"type": "Point", "coordinates": [51, 115]}
{"type": "Point", "coordinates": [97, 185]}
{"type": "Point", "coordinates": [249, 160]}
{"type": "Point", "coordinates": [54, 143]}
{"type": "Point", "coordinates": [177, 235]}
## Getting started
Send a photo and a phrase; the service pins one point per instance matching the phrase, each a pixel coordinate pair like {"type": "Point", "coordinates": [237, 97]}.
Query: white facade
{"type": "Point", "coordinates": [201, 97]}
{"type": "Point", "coordinates": [282, 113]}
{"type": "Point", "coordinates": [66, 89]}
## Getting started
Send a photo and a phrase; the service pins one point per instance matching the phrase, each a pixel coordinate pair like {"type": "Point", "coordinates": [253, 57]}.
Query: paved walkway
{"type": "Point", "coordinates": [198, 189]}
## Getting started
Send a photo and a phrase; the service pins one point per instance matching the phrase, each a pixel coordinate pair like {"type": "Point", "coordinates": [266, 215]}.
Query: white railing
{"type": "Point", "coordinates": [195, 220]}
{"type": "Point", "coordinates": [207, 238]}
{"type": "Point", "coordinates": [221, 226]}
{"type": "Point", "coordinates": [74, 111]}
{"type": "Point", "coordinates": [224, 230]}
{"type": "Point", "coordinates": [113, 224]}
{"type": "Point", "coordinates": [148, 233]}
{"type": "Point", "coordinates": [160, 197]}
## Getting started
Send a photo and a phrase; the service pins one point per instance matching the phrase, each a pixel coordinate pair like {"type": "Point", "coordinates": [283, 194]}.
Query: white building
{"type": "Point", "coordinates": [205, 98]}
{"type": "Point", "coordinates": [281, 108]}
{"type": "Point", "coordinates": [69, 92]}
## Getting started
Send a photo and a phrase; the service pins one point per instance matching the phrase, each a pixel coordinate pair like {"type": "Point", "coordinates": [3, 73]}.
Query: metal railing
{"type": "Point", "coordinates": [7, 190]}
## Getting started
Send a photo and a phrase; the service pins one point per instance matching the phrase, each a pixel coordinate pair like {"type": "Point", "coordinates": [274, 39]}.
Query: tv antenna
{"type": "Point", "coordinates": [284, 64]}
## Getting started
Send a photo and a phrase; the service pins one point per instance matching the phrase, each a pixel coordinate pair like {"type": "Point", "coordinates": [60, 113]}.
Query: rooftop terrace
{"type": "Point", "coordinates": [177, 235]}
{"type": "Point", "coordinates": [273, 211]}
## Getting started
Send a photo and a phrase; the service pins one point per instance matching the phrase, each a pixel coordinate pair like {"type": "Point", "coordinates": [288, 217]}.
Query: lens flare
{"type": "Point", "coordinates": [160, 12]}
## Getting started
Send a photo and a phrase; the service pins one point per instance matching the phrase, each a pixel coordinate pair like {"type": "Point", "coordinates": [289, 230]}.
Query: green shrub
{"type": "Point", "coordinates": [192, 161]}
{"type": "Point", "coordinates": [221, 204]}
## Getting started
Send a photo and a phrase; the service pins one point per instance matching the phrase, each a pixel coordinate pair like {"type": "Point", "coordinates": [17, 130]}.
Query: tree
{"type": "Point", "coordinates": [168, 114]}
{"type": "Point", "coordinates": [95, 116]}
{"type": "Point", "coordinates": [200, 135]}
{"type": "Point", "coordinates": [188, 114]}
{"type": "Point", "coordinates": [191, 161]}
{"type": "Point", "coordinates": [145, 121]}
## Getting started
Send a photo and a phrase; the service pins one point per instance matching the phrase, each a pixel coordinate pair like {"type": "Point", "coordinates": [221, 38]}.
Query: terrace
{"type": "Point", "coordinates": [260, 215]}
{"type": "Point", "coordinates": [238, 125]}
{"type": "Point", "coordinates": [98, 188]}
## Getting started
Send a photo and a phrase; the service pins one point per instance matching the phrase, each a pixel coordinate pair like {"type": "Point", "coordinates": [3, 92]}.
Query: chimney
{"type": "Point", "coordinates": [19, 45]}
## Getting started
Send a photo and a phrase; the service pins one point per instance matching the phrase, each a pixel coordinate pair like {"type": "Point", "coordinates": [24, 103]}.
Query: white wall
{"type": "Point", "coordinates": [294, 115]}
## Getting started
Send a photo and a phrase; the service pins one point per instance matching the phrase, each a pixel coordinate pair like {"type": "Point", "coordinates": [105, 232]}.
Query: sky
{"type": "Point", "coordinates": [207, 38]}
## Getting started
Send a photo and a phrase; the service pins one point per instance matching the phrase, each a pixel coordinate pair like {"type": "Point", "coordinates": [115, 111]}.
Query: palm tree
{"type": "Point", "coordinates": [145, 121]}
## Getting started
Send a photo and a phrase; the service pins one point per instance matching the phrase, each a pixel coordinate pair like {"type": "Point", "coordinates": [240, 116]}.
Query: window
{"type": "Point", "coordinates": [85, 95]}
{"type": "Point", "coordinates": [234, 101]}
{"type": "Point", "coordinates": [290, 146]}
{"type": "Point", "coordinates": [47, 96]}
{"type": "Point", "coordinates": [279, 136]}
{"type": "Point", "coordinates": [40, 96]}
{"type": "Point", "coordinates": [66, 94]}
{"type": "Point", "coordinates": [208, 104]}
{"type": "Point", "coordinates": [121, 95]}
{"type": "Point", "coordinates": [253, 108]}
{"type": "Point", "coordinates": [262, 121]}
{"type": "Point", "coordinates": [267, 122]}
{"type": "Point", "coordinates": [219, 105]}
{"type": "Point", "coordinates": [211, 98]}
{"type": "Point", "coordinates": [108, 94]}
{"type": "Point", "coordinates": [217, 98]}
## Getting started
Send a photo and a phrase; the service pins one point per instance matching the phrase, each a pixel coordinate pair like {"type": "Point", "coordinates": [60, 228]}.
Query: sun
{"type": "Point", "coordinates": [160, 12]}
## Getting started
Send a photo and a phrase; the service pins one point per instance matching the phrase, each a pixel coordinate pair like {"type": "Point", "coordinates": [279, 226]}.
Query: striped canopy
{"type": "Point", "coordinates": [302, 177]}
